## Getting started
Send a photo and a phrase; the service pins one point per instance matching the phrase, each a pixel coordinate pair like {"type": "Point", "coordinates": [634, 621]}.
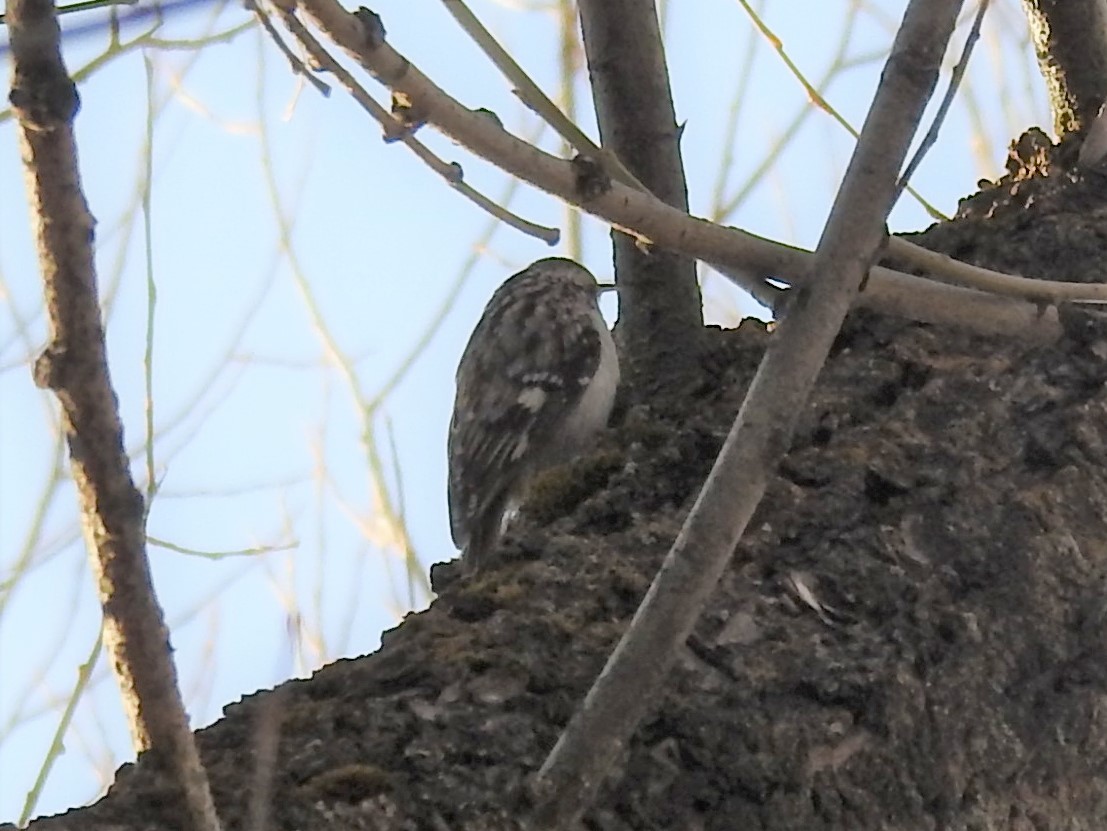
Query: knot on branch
{"type": "Point", "coordinates": [590, 179]}
{"type": "Point", "coordinates": [372, 25]}
{"type": "Point", "coordinates": [44, 98]}
{"type": "Point", "coordinates": [50, 366]}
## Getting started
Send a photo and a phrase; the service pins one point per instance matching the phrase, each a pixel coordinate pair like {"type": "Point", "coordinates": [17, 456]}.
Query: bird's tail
{"type": "Point", "coordinates": [484, 536]}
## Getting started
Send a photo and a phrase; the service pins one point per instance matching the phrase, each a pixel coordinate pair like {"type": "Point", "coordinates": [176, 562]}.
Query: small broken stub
{"type": "Point", "coordinates": [409, 117]}
{"type": "Point", "coordinates": [50, 368]}
{"type": "Point", "coordinates": [590, 179]}
{"type": "Point", "coordinates": [44, 100]}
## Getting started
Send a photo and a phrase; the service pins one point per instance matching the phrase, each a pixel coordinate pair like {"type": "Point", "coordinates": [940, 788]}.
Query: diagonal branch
{"type": "Point", "coordinates": [533, 97]}
{"type": "Point", "coordinates": [955, 78]}
{"type": "Point", "coordinates": [394, 130]}
{"type": "Point", "coordinates": [538, 102]}
{"type": "Point", "coordinates": [74, 365]}
{"type": "Point", "coordinates": [294, 62]}
{"type": "Point", "coordinates": [630, 682]}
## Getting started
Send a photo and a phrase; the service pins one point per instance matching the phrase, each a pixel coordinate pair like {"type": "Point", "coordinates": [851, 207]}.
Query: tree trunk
{"type": "Point", "coordinates": [660, 314]}
{"type": "Point", "coordinates": [1070, 37]}
{"type": "Point", "coordinates": [918, 638]}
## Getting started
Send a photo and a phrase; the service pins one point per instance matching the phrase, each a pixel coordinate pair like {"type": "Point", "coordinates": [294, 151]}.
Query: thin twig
{"type": "Point", "coordinates": [297, 65]}
{"type": "Point", "coordinates": [395, 130]}
{"type": "Point", "coordinates": [943, 268]}
{"type": "Point", "coordinates": [534, 98]}
{"type": "Point", "coordinates": [147, 188]}
{"type": "Point", "coordinates": [568, 54]}
{"type": "Point", "coordinates": [931, 136]}
{"type": "Point", "coordinates": [254, 551]}
{"type": "Point", "coordinates": [630, 683]}
{"type": "Point", "coordinates": [813, 94]}
{"type": "Point", "coordinates": [57, 742]}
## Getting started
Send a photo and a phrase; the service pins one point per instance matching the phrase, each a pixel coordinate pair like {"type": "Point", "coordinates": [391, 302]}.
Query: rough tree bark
{"type": "Point", "coordinates": [1070, 37]}
{"type": "Point", "coordinates": [660, 317]}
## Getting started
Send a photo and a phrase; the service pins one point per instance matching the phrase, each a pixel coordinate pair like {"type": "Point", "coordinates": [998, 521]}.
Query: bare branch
{"type": "Point", "coordinates": [643, 216]}
{"type": "Point", "coordinates": [951, 91]}
{"type": "Point", "coordinates": [538, 102]}
{"type": "Point", "coordinates": [297, 65]}
{"type": "Point", "coordinates": [74, 365]}
{"type": "Point", "coordinates": [895, 293]}
{"type": "Point", "coordinates": [948, 270]}
{"type": "Point", "coordinates": [534, 98]}
{"type": "Point", "coordinates": [395, 130]}
{"type": "Point", "coordinates": [629, 683]}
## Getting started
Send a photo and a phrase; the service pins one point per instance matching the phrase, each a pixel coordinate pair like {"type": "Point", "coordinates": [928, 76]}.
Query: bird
{"type": "Point", "coordinates": [535, 384]}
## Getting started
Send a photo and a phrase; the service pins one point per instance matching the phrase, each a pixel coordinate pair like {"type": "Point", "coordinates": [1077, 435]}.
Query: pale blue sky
{"type": "Point", "coordinates": [380, 240]}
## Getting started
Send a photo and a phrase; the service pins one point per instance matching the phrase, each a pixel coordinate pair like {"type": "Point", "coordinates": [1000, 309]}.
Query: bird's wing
{"type": "Point", "coordinates": [526, 366]}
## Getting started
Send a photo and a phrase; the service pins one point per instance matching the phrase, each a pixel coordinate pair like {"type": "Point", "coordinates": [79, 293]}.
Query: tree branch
{"type": "Point", "coordinates": [628, 684]}
{"type": "Point", "coordinates": [955, 78]}
{"type": "Point", "coordinates": [74, 365]}
{"type": "Point", "coordinates": [537, 101]}
{"type": "Point", "coordinates": [532, 95]}
{"type": "Point", "coordinates": [394, 130]}
{"type": "Point", "coordinates": [896, 293]}
{"type": "Point", "coordinates": [647, 218]}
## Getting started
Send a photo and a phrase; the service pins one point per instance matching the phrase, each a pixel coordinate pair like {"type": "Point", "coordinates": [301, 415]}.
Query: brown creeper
{"type": "Point", "coordinates": [535, 384]}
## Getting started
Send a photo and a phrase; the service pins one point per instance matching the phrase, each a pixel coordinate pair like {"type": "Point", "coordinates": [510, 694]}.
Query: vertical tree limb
{"type": "Point", "coordinates": [74, 365]}
{"type": "Point", "coordinates": [660, 311]}
{"type": "Point", "coordinates": [1070, 37]}
{"type": "Point", "coordinates": [629, 684]}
